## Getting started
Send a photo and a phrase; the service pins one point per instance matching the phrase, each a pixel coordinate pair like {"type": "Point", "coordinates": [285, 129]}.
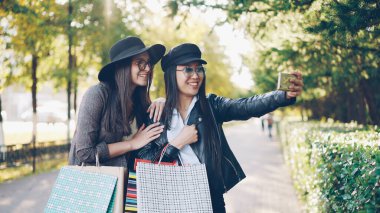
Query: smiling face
{"type": "Point", "coordinates": [141, 69]}
{"type": "Point", "coordinates": [188, 85]}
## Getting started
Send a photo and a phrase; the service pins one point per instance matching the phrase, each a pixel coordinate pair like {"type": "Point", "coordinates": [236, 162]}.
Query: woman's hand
{"type": "Point", "coordinates": [146, 135]}
{"type": "Point", "coordinates": [188, 135]}
{"type": "Point", "coordinates": [156, 108]}
{"type": "Point", "coordinates": [296, 86]}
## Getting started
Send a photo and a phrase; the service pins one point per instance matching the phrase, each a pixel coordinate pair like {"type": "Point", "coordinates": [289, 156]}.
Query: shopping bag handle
{"type": "Point", "coordinates": [163, 153]}
{"type": "Point", "coordinates": [97, 164]}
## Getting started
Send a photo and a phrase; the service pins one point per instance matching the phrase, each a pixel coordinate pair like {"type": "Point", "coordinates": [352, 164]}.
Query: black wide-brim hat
{"type": "Point", "coordinates": [182, 54]}
{"type": "Point", "coordinates": [127, 48]}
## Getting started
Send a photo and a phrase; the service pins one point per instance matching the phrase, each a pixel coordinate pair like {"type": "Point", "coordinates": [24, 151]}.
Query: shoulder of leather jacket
{"type": "Point", "coordinates": [210, 96]}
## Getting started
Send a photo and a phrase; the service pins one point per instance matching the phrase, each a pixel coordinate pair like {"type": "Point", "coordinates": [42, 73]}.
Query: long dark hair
{"type": "Point", "coordinates": [124, 104]}
{"type": "Point", "coordinates": [211, 140]}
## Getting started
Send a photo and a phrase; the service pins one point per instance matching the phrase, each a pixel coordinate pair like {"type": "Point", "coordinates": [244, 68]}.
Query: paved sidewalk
{"type": "Point", "coordinates": [29, 194]}
{"type": "Point", "coordinates": [267, 187]}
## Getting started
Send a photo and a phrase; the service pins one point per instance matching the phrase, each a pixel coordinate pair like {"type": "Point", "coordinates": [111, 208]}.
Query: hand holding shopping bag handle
{"type": "Point", "coordinates": [188, 135]}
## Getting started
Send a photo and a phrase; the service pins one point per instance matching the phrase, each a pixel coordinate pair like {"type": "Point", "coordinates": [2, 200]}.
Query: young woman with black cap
{"type": "Point", "coordinates": [193, 122]}
{"type": "Point", "coordinates": [112, 113]}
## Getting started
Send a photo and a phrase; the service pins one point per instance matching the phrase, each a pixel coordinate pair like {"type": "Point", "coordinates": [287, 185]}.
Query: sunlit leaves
{"type": "Point", "coordinates": [29, 30]}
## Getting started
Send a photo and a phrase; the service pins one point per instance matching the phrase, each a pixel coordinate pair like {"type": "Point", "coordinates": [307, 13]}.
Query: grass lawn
{"type": "Point", "coordinates": [27, 169]}
{"type": "Point", "coordinates": [21, 133]}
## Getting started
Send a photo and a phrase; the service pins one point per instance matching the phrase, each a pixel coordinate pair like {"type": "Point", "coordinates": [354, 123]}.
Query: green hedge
{"type": "Point", "coordinates": [335, 167]}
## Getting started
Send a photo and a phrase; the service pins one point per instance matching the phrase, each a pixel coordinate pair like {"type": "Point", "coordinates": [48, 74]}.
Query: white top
{"type": "Point", "coordinates": [186, 153]}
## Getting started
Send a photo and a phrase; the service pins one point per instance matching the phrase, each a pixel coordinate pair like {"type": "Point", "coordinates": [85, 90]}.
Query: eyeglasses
{"type": "Point", "coordinates": [142, 64]}
{"type": "Point", "coordinates": [189, 71]}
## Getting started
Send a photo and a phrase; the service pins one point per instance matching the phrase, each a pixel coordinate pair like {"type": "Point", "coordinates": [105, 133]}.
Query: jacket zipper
{"type": "Point", "coordinates": [232, 167]}
{"type": "Point", "coordinates": [220, 140]}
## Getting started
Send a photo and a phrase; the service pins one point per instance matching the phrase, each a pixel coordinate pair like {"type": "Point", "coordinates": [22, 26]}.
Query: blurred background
{"type": "Point", "coordinates": [52, 50]}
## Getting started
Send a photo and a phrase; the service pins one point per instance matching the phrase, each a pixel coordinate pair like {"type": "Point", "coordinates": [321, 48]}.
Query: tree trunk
{"type": "Point", "coordinates": [368, 95]}
{"type": "Point", "coordinates": [362, 109]}
{"type": "Point", "coordinates": [75, 86]}
{"type": "Point", "coordinates": [75, 95]}
{"type": "Point", "coordinates": [2, 142]}
{"type": "Point", "coordinates": [34, 106]}
{"type": "Point", "coordinates": [68, 108]}
{"type": "Point", "coordinates": [70, 67]}
{"type": "Point", "coordinates": [374, 113]}
{"type": "Point", "coordinates": [350, 107]}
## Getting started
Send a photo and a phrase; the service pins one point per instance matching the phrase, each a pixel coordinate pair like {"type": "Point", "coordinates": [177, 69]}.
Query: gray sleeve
{"type": "Point", "coordinates": [88, 127]}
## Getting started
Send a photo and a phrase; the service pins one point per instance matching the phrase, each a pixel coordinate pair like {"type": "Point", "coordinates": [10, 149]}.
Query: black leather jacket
{"type": "Point", "coordinates": [223, 110]}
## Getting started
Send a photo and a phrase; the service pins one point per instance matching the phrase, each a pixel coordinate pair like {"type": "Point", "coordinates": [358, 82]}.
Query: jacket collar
{"type": "Point", "coordinates": [189, 110]}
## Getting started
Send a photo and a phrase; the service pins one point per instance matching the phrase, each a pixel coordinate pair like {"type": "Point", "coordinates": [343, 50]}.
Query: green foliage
{"type": "Point", "coordinates": [237, 8]}
{"type": "Point", "coordinates": [90, 28]}
{"type": "Point", "coordinates": [84, 30]}
{"type": "Point", "coordinates": [43, 28]}
{"type": "Point", "coordinates": [339, 62]}
{"type": "Point", "coordinates": [334, 165]}
{"type": "Point", "coordinates": [335, 44]}
{"type": "Point", "coordinates": [346, 21]}
{"type": "Point", "coordinates": [332, 78]}
{"type": "Point", "coordinates": [28, 33]}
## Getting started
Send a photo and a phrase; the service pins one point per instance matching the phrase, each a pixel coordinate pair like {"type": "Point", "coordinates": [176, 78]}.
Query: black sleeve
{"type": "Point", "coordinates": [153, 150]}
{"type": "Point", "coordinates": [227, 109]}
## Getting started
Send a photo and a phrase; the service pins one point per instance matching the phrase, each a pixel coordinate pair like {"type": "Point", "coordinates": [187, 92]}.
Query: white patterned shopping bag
{"type": "Point", "coordinates": [167, 189]}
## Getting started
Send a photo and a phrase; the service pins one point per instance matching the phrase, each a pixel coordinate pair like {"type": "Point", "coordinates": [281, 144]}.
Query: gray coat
{"type": "Point", "coordinates": [90, 135]}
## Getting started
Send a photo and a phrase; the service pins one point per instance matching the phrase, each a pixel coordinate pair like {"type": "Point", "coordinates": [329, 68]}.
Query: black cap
{"type": "Point", "coordinates": [182, 54]}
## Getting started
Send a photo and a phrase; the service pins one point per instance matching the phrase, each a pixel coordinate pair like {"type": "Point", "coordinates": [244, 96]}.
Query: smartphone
{"type": "Point", "coordinates": [283, 82]}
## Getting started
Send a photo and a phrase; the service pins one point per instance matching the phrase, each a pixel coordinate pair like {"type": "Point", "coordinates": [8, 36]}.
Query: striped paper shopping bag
{"type": "Point", "coordinates": [131, 197]}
